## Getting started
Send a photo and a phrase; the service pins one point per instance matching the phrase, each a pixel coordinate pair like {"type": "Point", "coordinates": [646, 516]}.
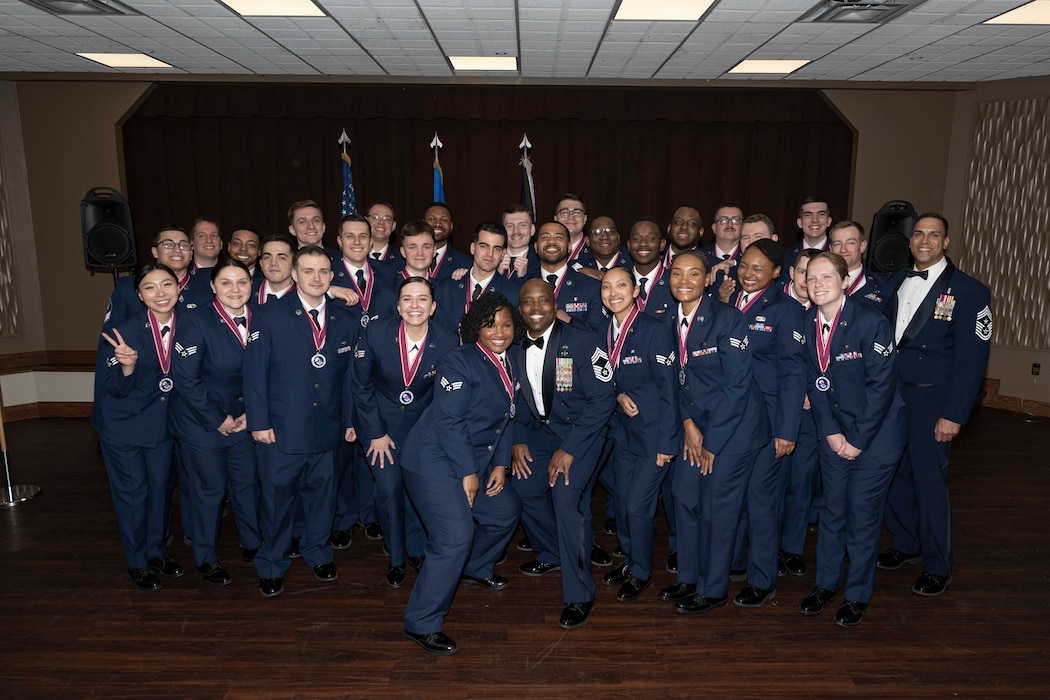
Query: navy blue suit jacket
{"type": "Point", "coordinates": [451, 261]}
{"type": "Point", "coordinates": [577, 384]}
{"type": "Point", "coordinates": [864, 395]}
{"type": "Point", "coordinates": [376, 380]}
{"type": "Point", "coordinates": [464, 431]}
{"type": "Point", "coordinates": [207, 368]}
{"type": "Point", "coordinates": [949, 351]}
{"type": "Point", "coordinates": [307, 408]}
{"type": "Point", "coordinates": [587, 259]}
{"type": "Point", "coordinates": [791, 255]}
{"type": "Point", "coordinates": [720, 392]}
{"type": "Point", "coordinates": [384, 289]}
{"type": "Point", "coordinates": [647, 371]}
{"type": "Point", "coordinates": [712, 260]}
{"type": "Point", "coordinates": [875, 291]}
{"type": "Point", "coordinates": [451, 298]}
{"type": "Point", "coordinates": [778, 359]}
{"type": "Point", "coordinates": [581, 298]}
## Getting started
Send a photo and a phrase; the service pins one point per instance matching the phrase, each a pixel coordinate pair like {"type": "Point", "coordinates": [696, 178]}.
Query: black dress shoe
{"type": "Point", "coordinates": [618, 552]}
{"type": "Point", "coordinates": [537, 568]}
{"type": "Point", "coordinates": [144, 579]}
{"type": "Point", "coordinates": [248, 555]}
{"type": "Point", "coordinates": [850, 613]}
{"type": "Point", "coordinates": [326, 572]}
{"type": "Point", "coordinates": [435, 642]}
{"type": "Point", "coordinates": [930, 584]}
{"type": "Point", "coordinates": [893, 559]}
{"type": "Point", "coordinates": [814, 603]}
{"type": "Point", "coordinates": [738, 575]}
{"type": "Point", "coordinates": [524, 545]}
{"type": "Point", "coordinates": [213, 573]}
{"type": "Point", "coordinates": [341, 539]}
{"type": "Point", "coordinates": [294, 552]}
{"type": "Point", "coordinates": [752, 597]}
{"type": "Point", "coordinates": [792, 564]}
{"type": "Point", "coordinates": [575, 614]}
{"type": "Point", "coordinates": [672, 562]}
{"type": "Point", "coordinates": [494, 583]}
{"type": "Point", "coordinates": [271, 587]}
{"type": "Point", "coordinates": [696, 604]}
{"type": "Point", "coordinates": [395, 576]}
{"type": "Point", "coordinates": [165, 566]}
{"type": "Point", "coordinates": [373, 531]}
{"type": "Point", "coordinates": [631, 588]}
{"type": "Point", "coordinates": [610, 526]}
{"type": "Point", "coordinates": [599, 557]}
{"type": "Point", "coordinates": [416, 562]}
{"type": "Point", "coordinates": [674, 593]}
{"type": "Point", "coordinates": [617, 576]}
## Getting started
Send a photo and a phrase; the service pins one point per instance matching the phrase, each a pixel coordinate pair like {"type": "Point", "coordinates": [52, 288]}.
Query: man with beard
{"type": "Point", "coordinates": [446, 259]}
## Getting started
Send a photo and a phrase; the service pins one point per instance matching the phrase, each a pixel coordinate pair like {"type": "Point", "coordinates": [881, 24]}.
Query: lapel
{"type": "Point", "coordinates": [553, 349]}
{"type": "Point", "coordinates": [838, 343]}
{"type": "Point", "coordinates": [925, 310]}
{"type": "Point", "coordinates": [526, 385]}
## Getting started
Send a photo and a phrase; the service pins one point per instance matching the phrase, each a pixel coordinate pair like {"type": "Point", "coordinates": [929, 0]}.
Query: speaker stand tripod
{"type": "Point", "coordinates": [13, 495]}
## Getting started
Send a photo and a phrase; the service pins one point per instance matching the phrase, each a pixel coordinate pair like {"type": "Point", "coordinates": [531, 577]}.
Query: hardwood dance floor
{"type": "Point", "coordinates": [74, 627]}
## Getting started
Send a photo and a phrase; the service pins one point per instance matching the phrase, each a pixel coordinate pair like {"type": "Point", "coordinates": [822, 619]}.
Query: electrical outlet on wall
{"type": "Point", "coordinates": [1035, 368]}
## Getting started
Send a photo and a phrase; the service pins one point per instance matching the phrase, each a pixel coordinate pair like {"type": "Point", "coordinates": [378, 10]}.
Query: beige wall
{"type": "Point", "coordinates": [70, 132]}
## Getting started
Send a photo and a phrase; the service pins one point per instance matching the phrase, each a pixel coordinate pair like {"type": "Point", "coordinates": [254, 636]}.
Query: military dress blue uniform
{"type": "Point", "coordinates": [452, 260]}
{"type": "Point", "coordinates": [384, 405]}
{"type": "Point", "coordinates": [658, 302]}
{"type": "Point", "coordinates": [791, 256]}
{"type": "Point", "coordinates": [861, 401]}
{"type": "Point", "coordinates": [308, 409]}
{"type": "Point", "coordinates": [578, 395]}
{"type": "Point", "coordinates": [580, 297]}
{"type": "Point", "coordinates": [723, 399]}
{"type": "Point", "coordinates": [136, 442]}
{"type": "Point", "coordinates": [587, 259]}
{"type": "Point", "coordinates": [383, 302]}
{"type": "Point", "coordinates": [465, 431]}
{"type": "Point", "coordinates": [454, 299]}
{"type": "Point", "coordinates": [778, 361]}
{"type": "Point", "coordinates": [941, 361]}
{"type": "Point", "coordinates": [714, 259]}
{"type": "Point", "coordinates": [646, 370]}
{"type": "Point", "coordinates": [207, 367]}
{"type": "Point", "coordinates": [875, 290]}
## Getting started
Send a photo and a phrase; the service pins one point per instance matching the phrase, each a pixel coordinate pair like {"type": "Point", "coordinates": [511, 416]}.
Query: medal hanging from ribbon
{"type": "Point", "coordinates": [231, 324]}
{"type": "Point", "coordinates": [652, 285]}
{"type": "Point", "coordinates": [163, 353]}
{"type": "Point", "coordinates": [683, 334]}
{"type": "Point", "coordinates": [824, 351]}
{"type": "Point", "coordinates": [617, 347]}
{"type": "Point", "coordinates": [408, 373]}
{"type": "Point", "coordinates": [318, 360]}
{"type": "Point", "coordinates": [504, 375]}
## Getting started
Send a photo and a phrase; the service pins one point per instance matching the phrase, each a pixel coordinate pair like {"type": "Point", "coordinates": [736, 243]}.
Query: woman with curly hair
{"type": "Point", "coordinates": [461, 442]}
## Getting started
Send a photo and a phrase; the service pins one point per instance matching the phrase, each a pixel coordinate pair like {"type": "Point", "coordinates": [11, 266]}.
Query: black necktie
{"type": "Point", "coordinates": [529, 342]}
{"type": "Point", "coordinates": [726, 256]}
{"type": "Point", "coordinates": [925, 274]}
{"type": "Point", "coordinates": [270, 297]}
{"type": "Point", "coordinates": [506, 365]}
{"type": "Point", "coordinates": [377, 255]}
{"type": "Point", "coordinates": [826, 327]}
{"type": "Point", "coordinates": [432, 264]}
{"type": "Point", "coordinates": [477, 292]}
{"type": "Point", "coordinates": [641, 288]}
{"type": "Point", "coordinates": [360, 279]}
{"type": "Point", "coordinates": [552, 280]}
{"type": "Point", "coordinates": [241, 321]}
{"type": "Point", "coordinates": [314, 313]}
{"type": "Point", "coordinates": [164, 331]}
{"type": "Point", "coordinates": [603, 269]}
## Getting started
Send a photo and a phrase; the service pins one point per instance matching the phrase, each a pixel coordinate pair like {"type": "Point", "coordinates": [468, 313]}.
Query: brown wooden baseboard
{"type": "Point", "coordinates": [992, 399]}
{"type": "Point", "coordinates": [47, 409]}
{"type": "Point", "coordinates": [52, 361]}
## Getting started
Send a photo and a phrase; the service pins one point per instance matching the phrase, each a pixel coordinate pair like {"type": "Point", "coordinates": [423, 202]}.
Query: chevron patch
{"type": "Point", "coordinates": [253, 336]}
{"type": "Point", "coordinates": [185, 351]}
{"type": "Point", "coordinates": [600, 365]}
{"type": "Point", "coordinates": [739, 344]}
{"type": "Point", "coordinates": [667, 360]}
{"type": "Point", "coordinates": [112, 362]}
{"type": "Point", "coordinates": [450, 386]}
{"type": "Point", "coordinates": [884, 350]}
{"type": "Point", "coordinates": [799, 338]}
{"type": "Point", "coordinates": [984, 324]}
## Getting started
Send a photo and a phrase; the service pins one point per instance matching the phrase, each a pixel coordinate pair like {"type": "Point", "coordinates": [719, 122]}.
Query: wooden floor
{"type": "Point", "coordinates": [73, 626]}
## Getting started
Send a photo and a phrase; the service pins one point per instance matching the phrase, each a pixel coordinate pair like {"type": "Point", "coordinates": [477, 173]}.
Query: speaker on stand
{"type": "Point", "coordinates": [889, 245]}
{"type": "Point", "coordinates": [109, 237]}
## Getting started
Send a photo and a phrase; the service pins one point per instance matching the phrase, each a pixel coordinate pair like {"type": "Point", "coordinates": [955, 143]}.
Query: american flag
{"type": "Point", "coordinates": [349, 198]}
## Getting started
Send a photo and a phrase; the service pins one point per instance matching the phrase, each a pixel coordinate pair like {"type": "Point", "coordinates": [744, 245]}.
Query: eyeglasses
{"type": "Point", "coordinates": [171, 245]}
{"type": "Point", "coordinates": [723, 220]}
{"type": "Point", "coordinates": [610, 231]}
{"type": "Point", "coordinates": [570, 213]}
{"type": "Point", "coordinates": [379, 217]}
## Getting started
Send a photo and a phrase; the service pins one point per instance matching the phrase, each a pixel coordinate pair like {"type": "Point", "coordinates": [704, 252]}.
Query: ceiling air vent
{"type": "Point", "coordinates": [81, 7]}
{"type": "Point", "coordinates": [859, 11]}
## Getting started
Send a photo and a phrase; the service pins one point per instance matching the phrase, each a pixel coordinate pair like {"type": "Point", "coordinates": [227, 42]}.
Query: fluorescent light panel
{"type": "Point", "coordinates": [663, 10]}
{"type": "Point", "coordinates": [759, 66]}
{"type": "Point", "coordinates": [275, 8]}
{"type": "Point", "coordinates": [1037, 12]}
{"type": "Point", "coordinates": [125, 60]}
{"type": "Point", "coordinates": [484, 62]}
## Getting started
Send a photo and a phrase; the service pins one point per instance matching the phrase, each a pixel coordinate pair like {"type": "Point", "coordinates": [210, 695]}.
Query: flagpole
{"type": "Point", "coordinates": [528, 187]}
{"type": "Point", "coordinates": [439, 176]}
{"type": "Point", "coordinates": [349, 199]}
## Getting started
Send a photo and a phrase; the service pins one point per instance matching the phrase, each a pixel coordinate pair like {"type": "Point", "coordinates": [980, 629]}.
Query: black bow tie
{"type": "Point", "coordinates": [241, 321]}
{"type": "Point", "coordinates": [925, 274]}
{"type": "Point", "coordinates": [529, 342]}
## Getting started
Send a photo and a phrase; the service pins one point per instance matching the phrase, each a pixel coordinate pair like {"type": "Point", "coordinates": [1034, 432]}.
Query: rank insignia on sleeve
{"type": "Point", "coordinates": [739, 344]}
{"type": "Point", "coordinates": [984, 323]}
{"type": "Point", "coordinates": [185, 351]}
{"type": "Point", "coordinates": [666, 360]}
{"type": "Point", "coordinates": [799, 338]}
{"type": "Point", "coordinates": [450, 386]}
{"type": "Point", "coordinates": [884, 350]}
{"type": "Point", "coordinates": [112, 362]}
{"type": "Point", "coordinates": [253, 336]}
{"type": "Point", "coordinates": [600, 364]}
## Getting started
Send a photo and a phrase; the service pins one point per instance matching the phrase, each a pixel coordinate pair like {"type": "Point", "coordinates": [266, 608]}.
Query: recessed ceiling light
{"type": "Point", "coordinates": [125, 60]}
{"type": "Point", "coordinates": [680, 10]}
{"type": "Point", "coordinates": [275, 8]}
{"type": "Point", "coordinates": [484, 62]}
{"type": "Point", "coordinates": [758, 66]}
{"type": "Point", "coordinates": [1037, 12]}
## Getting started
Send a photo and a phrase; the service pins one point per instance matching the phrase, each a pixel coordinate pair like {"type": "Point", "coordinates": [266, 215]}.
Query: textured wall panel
{"type": "Point", "coordinates": [1006, 218]}
{"type": "Point", "coordinates": [10, 314]}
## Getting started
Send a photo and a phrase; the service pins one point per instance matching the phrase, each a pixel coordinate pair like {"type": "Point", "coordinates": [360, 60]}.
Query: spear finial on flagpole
{"type": "Point", "coordinates": [525, 145]}
{"type": "Point", "coordinates": [435, 143]}
{"type": "Point", "coordinates": [344, 141]}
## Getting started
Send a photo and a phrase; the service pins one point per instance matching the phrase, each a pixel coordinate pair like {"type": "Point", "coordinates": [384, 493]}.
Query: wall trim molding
{"type": "Point", "coordinates": [48, 361]}
{"type": "Point", "coordinates": [47, 409]}
{"type": "Point", "coordinates": [992, 399]}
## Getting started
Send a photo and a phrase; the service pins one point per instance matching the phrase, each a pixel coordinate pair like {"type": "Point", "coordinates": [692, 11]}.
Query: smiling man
{"type": "Point", "coordinates": [578, 297]}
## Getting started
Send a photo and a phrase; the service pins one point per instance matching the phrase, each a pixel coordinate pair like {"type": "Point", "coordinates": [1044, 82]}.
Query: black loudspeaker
{"type": "Point", "coordinates": [109, 238]}
{"type": "Point", "coordinates": [889, 242]}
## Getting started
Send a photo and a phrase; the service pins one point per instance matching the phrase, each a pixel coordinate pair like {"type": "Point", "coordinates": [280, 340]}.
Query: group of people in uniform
{"type": "Point", "coordinates": [444, 399]}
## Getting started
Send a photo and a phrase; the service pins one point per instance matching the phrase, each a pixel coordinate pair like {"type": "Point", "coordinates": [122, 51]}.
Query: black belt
{"type": "Point", "coordinates": [918, 385]}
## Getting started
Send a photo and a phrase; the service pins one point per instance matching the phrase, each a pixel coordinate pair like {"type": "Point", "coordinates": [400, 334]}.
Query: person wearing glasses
{"type": "Point", "coordinates": [383, 220]}
{"type": "Point", "coordinates": [603, 250]}
{"type": "Point", "coordinates": [724, 254]}
{"type": "Point", "coordinates": [571, 212]}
